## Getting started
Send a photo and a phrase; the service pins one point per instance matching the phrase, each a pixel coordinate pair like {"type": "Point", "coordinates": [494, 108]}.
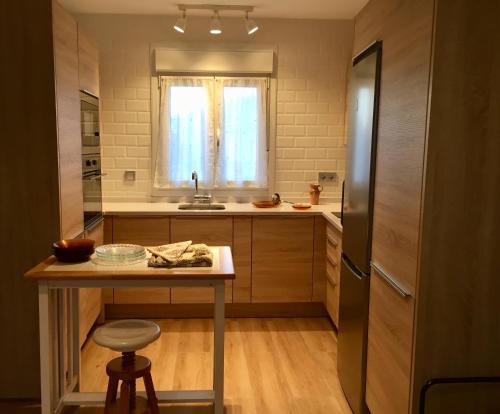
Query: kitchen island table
{"type": "Point", "coordinates": [58, 285]}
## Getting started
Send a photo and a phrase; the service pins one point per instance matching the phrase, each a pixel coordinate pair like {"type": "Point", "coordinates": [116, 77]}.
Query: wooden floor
{"type": "Point", "coordinates": [271, 366]}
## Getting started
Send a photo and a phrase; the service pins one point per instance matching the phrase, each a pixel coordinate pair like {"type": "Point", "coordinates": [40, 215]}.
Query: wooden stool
{"type": "Point", "coordinates": [128, 336]}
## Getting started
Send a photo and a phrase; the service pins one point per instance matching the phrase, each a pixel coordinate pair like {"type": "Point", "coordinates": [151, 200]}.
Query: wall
{"type": "Point", "coordinates": [312, 64]}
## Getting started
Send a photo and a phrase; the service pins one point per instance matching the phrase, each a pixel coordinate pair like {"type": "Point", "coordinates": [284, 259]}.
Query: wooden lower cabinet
{"type": "Point", "coordinates": [90, 299]}
{"type": "Point", "coordinates": [242, 259]}
{"type": "Point", "coordinates": [213, 231]}
{"type": "Point", "coordinates": [146, 231]}
{"type": "Point", "coordinates": [282, 257]}
{"type": "Point", "coordinates": [390, 342]}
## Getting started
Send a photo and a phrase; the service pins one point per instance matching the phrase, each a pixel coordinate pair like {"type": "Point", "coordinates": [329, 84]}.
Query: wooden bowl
{"type": "Point", "coordinates": [264, 204]}
{"type": "Point", "coordinates": [301, 206]}
{"type": "Point", "coordinates": [73, 250]}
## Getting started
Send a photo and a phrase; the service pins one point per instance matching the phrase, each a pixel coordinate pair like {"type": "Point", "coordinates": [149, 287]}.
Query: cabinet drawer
{"type": "Point", "coordinates": [390, 337]}
{"type": "Point", "coordinates": [332, 300]}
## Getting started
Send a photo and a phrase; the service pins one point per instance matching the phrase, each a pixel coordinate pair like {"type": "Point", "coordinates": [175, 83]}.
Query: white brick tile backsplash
{"type": "Point", "coordinates": [292, 153]}
{"type": "Point", "coordinates": [124, 117]}
{"type": "Point", "coordinates": [125, 140]}
{"type": "Point", "coordinates": [138, 105]}
{"type": "Point", "coordinates": [124, 93]}
{"type": "Point", "coordinates": [315, 153]}
{"type": "Point", "coordinates": [138, 152]}
{"type": "Point", "coordinates": [294, 108]}
{"type": "Point", "coordinates": [143, 140]}
{"type": "Point", "coordinates": [308, 119]}
{"type": "Point", "coordinates": [313, 58]}
{"type": "Point", "coordinates": [294, 131]}
{"type": "Point", "coordinates": [138, 129]}
{"type": "Point", "coordinates": [126, 163]}
{"type": "Point", "coordinates": [305, 142]}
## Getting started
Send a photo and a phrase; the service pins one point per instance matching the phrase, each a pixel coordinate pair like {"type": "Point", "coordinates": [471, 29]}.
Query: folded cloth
{"type": "Point", "coordinates": [170, 252]}
{"type": "Point", "coordinates": [195, 255]}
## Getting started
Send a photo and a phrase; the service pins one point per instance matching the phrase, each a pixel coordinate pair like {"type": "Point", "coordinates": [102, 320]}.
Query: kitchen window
{"type": "Point", "coordinates": [217, 126]}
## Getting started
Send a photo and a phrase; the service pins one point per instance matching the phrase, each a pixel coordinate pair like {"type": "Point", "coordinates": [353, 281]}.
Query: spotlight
{"type": "Point", "coordinates": [250, 25]}
{"type": "Point", "coordinates": [180, 24]}
{"type": "Point", "coordinates": [215, 26]}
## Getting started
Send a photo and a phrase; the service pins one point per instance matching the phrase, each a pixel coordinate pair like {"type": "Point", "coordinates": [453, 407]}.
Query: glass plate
{"type": "Point", "coordinates": [120, 253]}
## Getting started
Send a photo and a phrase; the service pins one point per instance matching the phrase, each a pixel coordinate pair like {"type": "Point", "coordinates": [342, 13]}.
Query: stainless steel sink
{"type": "Point", "coordinates": [200, 206]}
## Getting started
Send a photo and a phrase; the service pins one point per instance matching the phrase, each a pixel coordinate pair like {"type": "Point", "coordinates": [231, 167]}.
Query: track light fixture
{"type": "Point", "coordinates": [215, 22]}
{"type": "Point", "coordinates": [180, 24]}
{"type": "Point", "coordinates": [250, 24]}
{"type": "Point", "coordinates": [215, 25]}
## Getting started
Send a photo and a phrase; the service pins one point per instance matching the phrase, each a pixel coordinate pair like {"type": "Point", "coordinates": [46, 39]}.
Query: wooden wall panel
{"type": "Point", "coordinates": [282, 259]}
{"type": "Point", "coordinates": [29, 201]}
{"type": "Point", "coordinates": [459, 311]}
{"type": "Point", "coordinates": [68, 122]}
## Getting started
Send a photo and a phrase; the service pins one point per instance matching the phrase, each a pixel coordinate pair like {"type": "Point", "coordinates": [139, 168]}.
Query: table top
{"type": "Point", "coordinates": [51, 269]}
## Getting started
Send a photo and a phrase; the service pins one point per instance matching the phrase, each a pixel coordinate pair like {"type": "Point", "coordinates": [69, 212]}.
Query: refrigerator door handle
{"type": "Point", "coordinates": [353, 269]}
{"type": "Point", "coordinates": [342, 205]}
{"type": "Point", "coordinates": [390, 280]}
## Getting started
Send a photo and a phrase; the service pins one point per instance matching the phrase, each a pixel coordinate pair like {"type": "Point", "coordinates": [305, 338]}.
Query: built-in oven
{"type": "Point", "coordinates": [91, 160]}
{"type": "Point", "coordinates": [92, 190]}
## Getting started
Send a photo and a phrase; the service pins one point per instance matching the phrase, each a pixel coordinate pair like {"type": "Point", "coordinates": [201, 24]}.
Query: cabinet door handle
{"type": "Point", "coordinates": [390, 280]}
{"type": "Point", "coordinates": [331, 260]}
{"type": "Point", "coordinates": [332, 241]}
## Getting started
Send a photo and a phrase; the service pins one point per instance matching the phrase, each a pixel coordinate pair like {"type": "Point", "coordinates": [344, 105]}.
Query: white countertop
{"type": "Point", "coordinates": [159, 209]}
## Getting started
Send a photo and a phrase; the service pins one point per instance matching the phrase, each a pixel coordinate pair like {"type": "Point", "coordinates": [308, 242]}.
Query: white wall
{"type": "Point", "coordinates": [313, 58]}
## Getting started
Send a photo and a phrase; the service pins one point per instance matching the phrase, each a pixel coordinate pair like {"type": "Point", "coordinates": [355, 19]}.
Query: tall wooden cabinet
{"type": "Point", "coordinates": [434, 223]}
{"type": "Point", "coordinates": [41, 197]}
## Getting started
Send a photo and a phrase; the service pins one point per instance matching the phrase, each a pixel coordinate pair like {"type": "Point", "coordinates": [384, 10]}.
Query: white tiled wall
{"type": "Point", "coordinates": [313, 57]}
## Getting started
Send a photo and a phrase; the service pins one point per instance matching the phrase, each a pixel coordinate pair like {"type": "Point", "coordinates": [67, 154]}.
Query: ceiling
{"type": "Point", "coordinates": [284, 9]}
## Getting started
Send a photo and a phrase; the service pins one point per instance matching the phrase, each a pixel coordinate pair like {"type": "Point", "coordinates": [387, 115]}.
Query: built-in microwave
{"type": "Point", "coordinates": [90, 123]}
{"type": "Point", "coordinates": [91, 160]}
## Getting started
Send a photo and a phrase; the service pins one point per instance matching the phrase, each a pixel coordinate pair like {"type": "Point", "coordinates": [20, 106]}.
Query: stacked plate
{"type": "Point", "coordinates": [116, 254]}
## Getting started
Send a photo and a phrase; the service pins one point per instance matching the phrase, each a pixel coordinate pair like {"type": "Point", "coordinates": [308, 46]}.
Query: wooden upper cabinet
{"type": "Point", "coordinates": [88, 64]}
{"type": "Point", "coordinates": [68, 121]}
{"type": "Point", "coordinates": [282, 259]}
{"type": "Point", "coordinates": [213, 231]}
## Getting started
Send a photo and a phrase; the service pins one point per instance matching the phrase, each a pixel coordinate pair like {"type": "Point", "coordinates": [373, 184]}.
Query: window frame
{"type": "Point", "coordinates": [220, 193]}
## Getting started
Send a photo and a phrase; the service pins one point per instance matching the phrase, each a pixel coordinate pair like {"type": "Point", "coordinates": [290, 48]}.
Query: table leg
{"type": "Point", "coordinates": [218, 381]}
{"type": "Point", "coordinates": [46, 363]}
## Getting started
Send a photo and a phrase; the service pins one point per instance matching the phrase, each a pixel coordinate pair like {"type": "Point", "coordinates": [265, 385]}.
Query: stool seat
{"type": "Point", "coordinates": [128, 335]}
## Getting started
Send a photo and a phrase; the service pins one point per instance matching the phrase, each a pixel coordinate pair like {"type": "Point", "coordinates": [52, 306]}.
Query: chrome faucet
{"type": "Point", "coordinates": [194, 176]}
{"type": "Point", "coordinates": [199, 198]}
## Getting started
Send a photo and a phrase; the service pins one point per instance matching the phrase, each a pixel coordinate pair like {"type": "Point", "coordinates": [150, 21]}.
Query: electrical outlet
{"type": "Point", "coordinates": [129, 176]}
{"type": "Point", "coordinates": [327, 177]}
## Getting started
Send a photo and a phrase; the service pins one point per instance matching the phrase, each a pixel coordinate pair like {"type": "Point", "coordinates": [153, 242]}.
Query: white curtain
{"type": "Point", "coordinates": [185, 133]}
{"type": "Point", "coordinates": [242, 133]}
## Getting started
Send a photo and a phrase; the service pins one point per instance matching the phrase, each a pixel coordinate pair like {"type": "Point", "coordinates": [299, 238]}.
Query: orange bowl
{"type": "Point", "coordinates": [73, 250]}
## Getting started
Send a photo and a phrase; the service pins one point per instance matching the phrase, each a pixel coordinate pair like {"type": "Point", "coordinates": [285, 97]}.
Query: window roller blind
{"type": "Point", "coordinates": [222, 62]}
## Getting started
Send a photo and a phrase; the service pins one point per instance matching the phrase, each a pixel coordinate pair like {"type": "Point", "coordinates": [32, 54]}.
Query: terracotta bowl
{"type": "Point", "coordinates": [74, 250]}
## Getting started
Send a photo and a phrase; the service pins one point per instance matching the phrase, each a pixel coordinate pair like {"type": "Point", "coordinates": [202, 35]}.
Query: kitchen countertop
{"type": "Point", "coordinates": [168, 209]}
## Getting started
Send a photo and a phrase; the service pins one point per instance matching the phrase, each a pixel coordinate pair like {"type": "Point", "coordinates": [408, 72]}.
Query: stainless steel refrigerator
{"type": "Point", "coordinates": [357, 214]}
